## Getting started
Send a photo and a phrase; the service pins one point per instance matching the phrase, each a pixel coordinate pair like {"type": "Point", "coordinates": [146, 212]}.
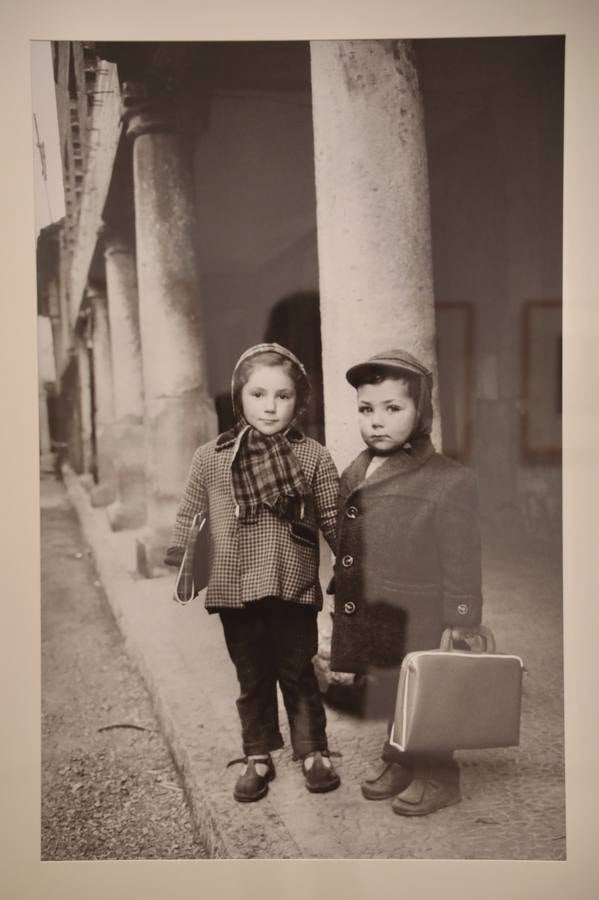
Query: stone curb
{"type": "Point", "coordinates": [269, 838]}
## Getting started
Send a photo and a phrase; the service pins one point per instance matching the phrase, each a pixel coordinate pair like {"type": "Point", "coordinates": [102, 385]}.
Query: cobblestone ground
{"type": "Point", "coordinates": [109, 786]}
{"type": "Point", "coordinates": [513, 799]}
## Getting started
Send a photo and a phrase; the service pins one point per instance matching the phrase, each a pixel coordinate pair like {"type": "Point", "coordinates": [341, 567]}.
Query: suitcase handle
{"type": "Point", "coordinates": [481, 631]}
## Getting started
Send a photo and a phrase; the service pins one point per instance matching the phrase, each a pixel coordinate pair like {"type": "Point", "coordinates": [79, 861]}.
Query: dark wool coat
{"type": "Point", "coordinates": [270, 557]}
{"type": "Point", "coordinates": [408, 557]}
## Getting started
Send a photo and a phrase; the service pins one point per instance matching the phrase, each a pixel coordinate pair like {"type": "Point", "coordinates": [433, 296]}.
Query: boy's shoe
{"type": "Point", "coordinates": [319, 772]}
{"type": "Point", "coordinates": [431, 789]}
{"type": "Point", "coordinates": [252, 785]}
{"type": "Point", "coordinates": [390, 780]}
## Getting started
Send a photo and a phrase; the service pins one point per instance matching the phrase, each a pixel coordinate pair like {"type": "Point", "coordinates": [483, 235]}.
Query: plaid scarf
{"type": "Point", "coordinates": [265, 471]}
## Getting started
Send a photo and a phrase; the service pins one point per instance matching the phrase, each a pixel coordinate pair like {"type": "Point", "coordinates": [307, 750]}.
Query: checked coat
{"type": "Point", "coordinates": [269, 557]}
{"type": "Point", "coordinates": [408, 557]}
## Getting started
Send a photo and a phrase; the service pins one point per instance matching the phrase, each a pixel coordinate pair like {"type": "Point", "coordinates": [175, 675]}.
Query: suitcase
{"type": "Point", "coordinates": [194, 571]}
{"type": "Point", "coordinates": [450, 699]}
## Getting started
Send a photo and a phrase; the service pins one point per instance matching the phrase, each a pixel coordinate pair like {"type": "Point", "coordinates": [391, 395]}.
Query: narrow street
{"type": "Point", "coordinates": [110, 789]}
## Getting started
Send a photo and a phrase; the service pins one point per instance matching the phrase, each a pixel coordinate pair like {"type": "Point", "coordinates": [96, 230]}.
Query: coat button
{"type": "Point", "coordinates": [463, 609]}
{"type": "Point", "coordinates": [349, 607]}
{"type": "Point", "coordinates": [347, 561]}
{"type": "Point", "coordinates": [351, 512]}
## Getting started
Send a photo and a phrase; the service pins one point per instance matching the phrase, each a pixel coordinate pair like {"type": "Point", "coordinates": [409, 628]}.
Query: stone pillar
{"type": "Point", "coordinates": [85, 405]}
{"type": "Point", "coordinates": [129, 509]}
{"type": "Point", "coordinates": [374, 246]}
{"type": "Point", "coordinates": [54, 308]}
{"type": "Point", "coordinates": [45, 442]}
{"type": "Point", "coordinates": [179, 413]}
{"type": "Point", "coordinates": [105, 492]}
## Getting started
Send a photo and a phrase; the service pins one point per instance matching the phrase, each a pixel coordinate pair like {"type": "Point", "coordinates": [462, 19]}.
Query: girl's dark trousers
{"type": "Point", "coordinates": [272, 641]}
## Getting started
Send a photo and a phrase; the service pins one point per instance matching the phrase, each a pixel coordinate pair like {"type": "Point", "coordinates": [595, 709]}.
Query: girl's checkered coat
{"type": "Point", "coordinates": [265, 558]}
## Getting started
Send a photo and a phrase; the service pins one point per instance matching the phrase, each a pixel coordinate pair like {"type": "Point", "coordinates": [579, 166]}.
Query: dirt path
{"type": "Point", "coordinates": [110, 789]}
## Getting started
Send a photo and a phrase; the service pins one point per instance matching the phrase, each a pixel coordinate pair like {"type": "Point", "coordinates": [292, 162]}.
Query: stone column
{"type": "Point", "coordinates": [105, 491]}
{"type": "Point", "coordinates": [54, 308]}
{"type": "Point", "coordinates": [374, 246]}
{"type": "Point", "coordinates": [45, 444]}
{"type": "Point", "coordinates": [129, 509]}
{"type": "Point", "coordinates": [85, 406]}
{"type": "Point", "coordinates": [179, 413]}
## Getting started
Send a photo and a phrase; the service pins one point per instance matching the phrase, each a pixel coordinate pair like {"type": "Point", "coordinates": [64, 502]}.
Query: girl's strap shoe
{"type": "Point", "coordinates": [319, 774]}
{"type": "Point", "coordinates": [252, 785]}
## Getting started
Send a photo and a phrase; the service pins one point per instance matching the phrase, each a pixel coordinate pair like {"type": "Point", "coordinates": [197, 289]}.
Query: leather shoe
{"type": "Point", "coordinates": [320, 776]}
{"type": "Point", "coordinates": [430, 790]}
{"type": "Point", "coordinates": [250, 785]}
{"type": "Point", "coordinates": [389, 781]}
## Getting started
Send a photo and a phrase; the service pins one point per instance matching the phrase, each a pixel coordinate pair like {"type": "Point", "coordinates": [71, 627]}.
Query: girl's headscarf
{"type": "Point", "coordinates": [265, 471]}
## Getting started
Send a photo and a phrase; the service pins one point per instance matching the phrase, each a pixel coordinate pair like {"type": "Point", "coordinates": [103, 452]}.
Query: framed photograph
{"type": "Point", "coordinates": [301, 156]}
{"type": "Point", "coordinates": [231, 197]}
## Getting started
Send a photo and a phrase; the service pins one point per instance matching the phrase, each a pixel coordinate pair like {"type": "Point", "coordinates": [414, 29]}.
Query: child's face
{"type": "Point", "coordinates": [268, 399]}
{"type": "Point", "coordinates": [387, 415]}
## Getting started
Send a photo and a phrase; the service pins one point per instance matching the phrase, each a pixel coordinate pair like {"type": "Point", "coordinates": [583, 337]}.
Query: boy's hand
{"type": "Point", "coordinates": [464, 633]}
{"type": "Point", "coordinates": [463, 638]}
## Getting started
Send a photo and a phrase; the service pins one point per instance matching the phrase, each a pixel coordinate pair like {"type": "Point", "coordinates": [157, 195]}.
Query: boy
{"type": "Point", "coordinates": [408, 557]}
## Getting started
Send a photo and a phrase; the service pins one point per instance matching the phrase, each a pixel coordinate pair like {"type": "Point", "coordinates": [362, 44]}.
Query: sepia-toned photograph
{"type": "Point", "coordinates": [299, 321]}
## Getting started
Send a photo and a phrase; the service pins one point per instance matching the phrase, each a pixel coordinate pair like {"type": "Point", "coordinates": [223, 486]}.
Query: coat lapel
{"type": "Point", "coordinates": [397, 464]}
{"type": "Point", "coordinates": [354, 474]}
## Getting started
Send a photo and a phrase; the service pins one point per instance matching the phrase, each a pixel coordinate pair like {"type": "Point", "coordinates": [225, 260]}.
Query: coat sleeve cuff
{"type": "Point", "coordinates": [462, 612]}
{"type": "Point", "coordinates": [174, 556]}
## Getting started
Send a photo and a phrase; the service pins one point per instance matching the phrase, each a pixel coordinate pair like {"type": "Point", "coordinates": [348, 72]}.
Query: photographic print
{"type": "Point", "coordinates": [261, 265]}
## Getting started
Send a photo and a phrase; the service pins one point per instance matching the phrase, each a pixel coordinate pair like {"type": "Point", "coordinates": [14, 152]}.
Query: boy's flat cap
{"type": "Point", "coordinates": [399, 360]}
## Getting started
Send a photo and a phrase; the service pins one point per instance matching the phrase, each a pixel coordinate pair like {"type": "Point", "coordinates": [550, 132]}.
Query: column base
{"type": "Point", "coordinates": [103, 495]}
{"type": "Point", "coordinates": [130, 508]}
{"type": "Point", "coordinates": [46, 463]}
{"type": "Point", "coordinates": [150, 548]}
{"type": "Point", "coordinates": [122, 515]}
{"type": "Point", "coordinates": [87, 482]}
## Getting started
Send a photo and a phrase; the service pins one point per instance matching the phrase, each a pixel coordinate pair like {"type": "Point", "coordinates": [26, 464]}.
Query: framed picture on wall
{"type": "Point", "coordinates": [455, 339]}
{"type": "Point", "coordinates": [542, 375]}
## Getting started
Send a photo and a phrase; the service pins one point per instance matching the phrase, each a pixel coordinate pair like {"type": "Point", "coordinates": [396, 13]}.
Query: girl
{"type": "Point", "coordinates": [408, 557]}
{"type": "Point", "coordinates": [266, 489]}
